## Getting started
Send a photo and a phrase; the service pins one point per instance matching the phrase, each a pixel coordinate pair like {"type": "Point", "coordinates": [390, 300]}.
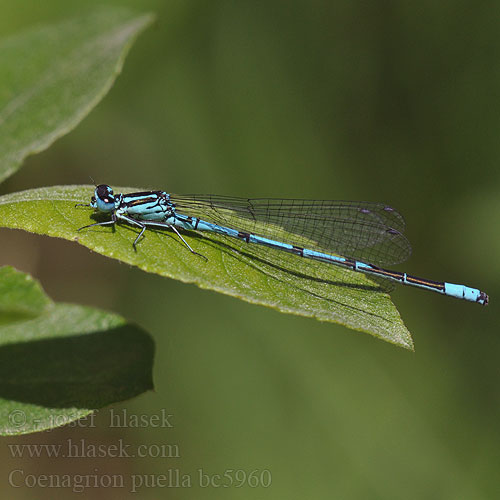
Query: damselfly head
{"type": "Point", "coordinates": [103, 199]}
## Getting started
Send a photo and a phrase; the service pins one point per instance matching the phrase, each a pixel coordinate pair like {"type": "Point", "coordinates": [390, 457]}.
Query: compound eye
{"type": "Point", "coordinates": [104, 193]}
{"type": "Point", "coordinates": [104, 199]}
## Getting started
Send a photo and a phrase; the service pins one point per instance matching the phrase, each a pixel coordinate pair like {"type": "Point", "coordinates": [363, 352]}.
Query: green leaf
{"type": "Point", "coordinates": [52, 77]}
{"type": "Point", "coordinates": [21, 297]}
{"type": "Point", "coordinates": [291, 286]}
{"type": "Point", "coordinates": [65, 362]}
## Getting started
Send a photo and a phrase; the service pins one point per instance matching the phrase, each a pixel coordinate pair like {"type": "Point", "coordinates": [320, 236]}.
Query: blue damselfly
{"type": "Point", "coordinates": [356, 236]}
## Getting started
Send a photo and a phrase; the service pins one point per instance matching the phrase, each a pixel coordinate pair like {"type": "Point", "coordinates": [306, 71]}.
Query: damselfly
{"type": "Point", "coordinates": [359, 237]}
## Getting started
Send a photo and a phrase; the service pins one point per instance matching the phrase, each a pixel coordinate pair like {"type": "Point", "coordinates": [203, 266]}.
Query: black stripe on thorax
{"type": "Point", "coordinates": [145, 193]}
{"type": "Point", "coordinates": [140, 201]}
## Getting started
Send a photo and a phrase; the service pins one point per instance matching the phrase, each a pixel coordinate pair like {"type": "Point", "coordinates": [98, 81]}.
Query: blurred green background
{"type": "Point", "coordinates": [382, 101]}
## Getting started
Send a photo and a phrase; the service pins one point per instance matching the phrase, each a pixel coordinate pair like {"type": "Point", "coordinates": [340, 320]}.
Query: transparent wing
{"type": "Point", "coordinates": [371, 232]}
